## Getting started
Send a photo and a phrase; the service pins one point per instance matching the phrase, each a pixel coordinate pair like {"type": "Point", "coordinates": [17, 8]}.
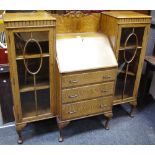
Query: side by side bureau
{"type": "Point", "coordinates": [75, 65]}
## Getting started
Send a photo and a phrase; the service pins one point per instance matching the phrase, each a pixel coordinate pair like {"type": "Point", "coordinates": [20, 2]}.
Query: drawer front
{"type": "Point", "coordinates": [87, 92]}
{"type": "Point", "coordinates": [88, 78]}
{"type": "Point", "coordinates": [85, 108]}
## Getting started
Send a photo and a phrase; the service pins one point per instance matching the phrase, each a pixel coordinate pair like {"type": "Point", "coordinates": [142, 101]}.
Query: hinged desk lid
{"type": "Point", "coordinates": [84, 52]}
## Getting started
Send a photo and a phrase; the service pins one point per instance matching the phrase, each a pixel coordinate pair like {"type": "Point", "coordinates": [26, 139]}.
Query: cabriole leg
{"type": "Point", "coordinates": [61, 125]}
{"type": "Point", "coordinates": [108, 118]}
{"type": "Point", "coordinates": [107, 124]}
{"type": "Point", "coordinates": [19, 128]}
{"type": "Point", "coordinates": [132, 111]}
{"type": "Point", "coordinates": [20, 140]}
{"type": "Point", "coordinates": [61, 138]}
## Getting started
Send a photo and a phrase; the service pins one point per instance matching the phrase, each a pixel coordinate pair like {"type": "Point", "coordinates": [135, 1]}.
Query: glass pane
{"type": "Point", "coordinates": [128, 60]}
{"type": "Point", "coordinates": [129, 86]}
{"type": "Point", "coordinates": [120, 77]}
{"type": "Point", "coordinates": [131, 77]}
{"type": "Point", "coordinates": [43, 101]}
{"type": "Point", "coordinates": [28, 104]}
{"type": "Point", "coordinates": [126, 75]}
{"type": "Point", "coordinates": [21, 38]}
{"type": "Point", "coordinates": [32, 57]}
{"type": "Point", "coordinates": [43, 75]}
{"type": "Point", "coordinates": [139, 31]}
{"type": "Point", "coordinates": [26, 79]}
{"type": "Point", "coordinates": [134, 64]}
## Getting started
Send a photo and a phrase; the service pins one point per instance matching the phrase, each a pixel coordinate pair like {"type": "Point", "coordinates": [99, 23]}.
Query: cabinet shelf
{"type": "Point", "coordinates": [128, 73]}
{"type": "Point", "coordinates": [30, 87]}
{"type": "Point", "coordinates": [119, 97]}
{"type": "Point", "coordinates": [33, 113]}
{"type": "Point", "coordinates": [122, 48]}
{"type": "Point", "coordinates": [32, 56]}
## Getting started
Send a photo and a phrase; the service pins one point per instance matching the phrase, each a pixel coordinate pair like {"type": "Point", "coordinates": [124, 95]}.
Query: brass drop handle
{"type": "Point", "coordinates": [106, 77]}
{"type": "Point", "coordinates": [73, 81]}
{"type": "Point", "coordinates": [103, 106]}
{"type": "Point", "coordinates": [72, 112]}
{"type": "Point", "coordinates": [104, 91]}
{"type": "Point", "coordinates": [73, 96]}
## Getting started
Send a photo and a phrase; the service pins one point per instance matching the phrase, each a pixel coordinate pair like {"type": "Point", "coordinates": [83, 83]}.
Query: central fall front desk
{"type": "Point", "coordinates": [86, 72]}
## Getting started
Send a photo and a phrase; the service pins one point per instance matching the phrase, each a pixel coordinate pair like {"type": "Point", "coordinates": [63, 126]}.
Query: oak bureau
{"type": "Point", "coordinates": [85, 77]}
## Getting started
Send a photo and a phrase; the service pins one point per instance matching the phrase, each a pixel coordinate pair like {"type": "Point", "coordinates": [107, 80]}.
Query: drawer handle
{"type": "Point", "coordinates": [73, 96]}
{"type": "Point", "coordinates": [107, 77]}
{"type": "Point", "coordinates": [103, 106]}
{"type": "Point", "coordinates": [73, 81]}
{"type": "Point", "coordinates": [71, 112]}
{"type": "Point", "coordinates": [104, 91]}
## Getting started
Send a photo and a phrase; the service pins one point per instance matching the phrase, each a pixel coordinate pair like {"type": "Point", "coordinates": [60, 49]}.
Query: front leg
{"type": "Point", "coordinates": [132, 111]}
{"type": "Point", "coordinates": [20, 140]}
{"type": "Point", "coordinates": [19, 128]}
{"type": "Point", "coordinates": [61, 125]}
{"type": "Point", "coordinates": [108, 118]}
{"type": "Point", "coordinates": [61, 138]}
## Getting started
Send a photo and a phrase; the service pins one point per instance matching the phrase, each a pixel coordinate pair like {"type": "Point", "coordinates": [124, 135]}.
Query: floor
{"type": "Point", "coordinates": [123, 129]}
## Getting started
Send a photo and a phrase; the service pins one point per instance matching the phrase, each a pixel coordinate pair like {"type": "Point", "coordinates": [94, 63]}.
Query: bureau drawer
{"type": "Point", "coordinates": [85, 108]}
{"type": "Point", "coordinates": [87, 92]}
{"type": "Point", "coordinates": [88, 78]}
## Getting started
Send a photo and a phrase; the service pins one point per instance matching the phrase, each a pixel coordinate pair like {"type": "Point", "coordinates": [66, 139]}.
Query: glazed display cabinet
{"type": "Point", "coordinates": [31, 49]}
{"type": "Point", "coordinates": [128, 34]}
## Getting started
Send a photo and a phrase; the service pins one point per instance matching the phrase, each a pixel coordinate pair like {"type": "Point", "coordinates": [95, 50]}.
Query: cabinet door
{"type": "Point", "coordinates": [32, 54]}
{"type": "Point", "coordinates": [128, 59]}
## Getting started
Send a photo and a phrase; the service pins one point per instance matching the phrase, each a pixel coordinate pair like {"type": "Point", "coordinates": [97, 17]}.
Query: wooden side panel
{"type": "Point", "coordinates": [109, 26]}
{"type": "Point", "coordinates": [13, 77]}
{"type": "Point", "coordinates": [52, 45]}
{"type": "Point", "coordinates": [58, 91]}
{"type": "Point", "coordinates": [141, 60]}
